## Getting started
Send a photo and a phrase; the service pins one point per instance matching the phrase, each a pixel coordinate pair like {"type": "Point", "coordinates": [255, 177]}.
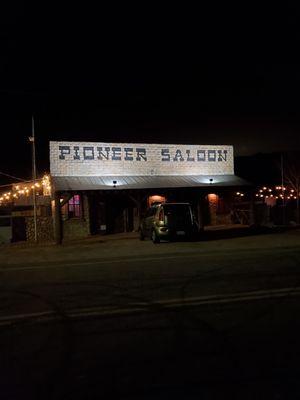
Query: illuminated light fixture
{"type": "Point", "coordinates": [264, 188]}
{"type": "Point", "coordinates": [283, 188]}
{"type": "Point", "coordinates": [212, 197]}
{"type": "Point", "coordinates": [261, 190]}
{"type": "Point", "coordinates": [292, 190]}
{"type": "Point", "coordinates": [257, 195]}
{"type": "Point", "coordinates": [37, 185]}
{"type": "Point", "coordinates": [242, 194]}
{"type": "Point", "coordinates": [276, 197]}
{"type": "Point", "coordinates": [270, 190]}
{"type": "Point", "coordinates": [238, 193]}
{"type": "Point", "coordinates": [261, 195]}
{"type": "Point", "coordinates": [271, 195]}
{"type": "Point", "coordinates": [267, 197]}
{"type": "Point", "coordinates": [32, 187]}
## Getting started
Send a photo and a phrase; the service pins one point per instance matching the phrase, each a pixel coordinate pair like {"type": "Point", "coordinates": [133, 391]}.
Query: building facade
{"type": "Point", "coordinates": [106, 187]}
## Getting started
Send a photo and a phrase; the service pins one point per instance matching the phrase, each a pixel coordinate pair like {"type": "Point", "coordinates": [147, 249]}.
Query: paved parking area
{"type": "Point", "coordinates": [129, 245]}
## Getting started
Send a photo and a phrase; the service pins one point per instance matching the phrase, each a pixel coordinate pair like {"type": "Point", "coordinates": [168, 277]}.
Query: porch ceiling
{"type": "Point", "coordinates": [144, 182]}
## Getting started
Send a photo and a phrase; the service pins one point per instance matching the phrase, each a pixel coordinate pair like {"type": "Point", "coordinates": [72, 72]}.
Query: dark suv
{"type": "Point", "coordinates": [169, 221]}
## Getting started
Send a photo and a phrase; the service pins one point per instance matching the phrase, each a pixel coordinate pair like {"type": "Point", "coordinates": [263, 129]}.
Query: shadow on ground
{"type": "Point", "coordinates": [218, 234]}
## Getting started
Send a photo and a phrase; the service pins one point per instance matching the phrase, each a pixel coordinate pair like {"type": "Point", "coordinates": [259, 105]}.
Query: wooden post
{"type": "Point", "coordinates": [138, 202]}
{"type": "Point", "coordinates": [200, 212]}
{"type": "Point", "coordinates": [252, 209]}
{"type": "Point", "coordinates": [57, 219]}
{"type": "Point", "coordinates": [125, 219]}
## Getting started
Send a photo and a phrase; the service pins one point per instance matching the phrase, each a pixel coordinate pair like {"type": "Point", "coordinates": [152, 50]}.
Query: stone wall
{"type": "Point", "coordinates": [78, 227]}
{"type": "Point", "coordinates": [44, 229]}
{"type": "Point", "coordinates": [223, 219]}
{"type": "Point", "coordinates": [213, 205]}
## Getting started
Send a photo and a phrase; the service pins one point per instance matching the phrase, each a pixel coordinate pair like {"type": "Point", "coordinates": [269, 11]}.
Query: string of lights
{"type": "Point", "coordinates": [11, 184]}
{"type": "Point", "coordinates": [277, 192]}
{"type": "Point", "coordinates": [42, 187]}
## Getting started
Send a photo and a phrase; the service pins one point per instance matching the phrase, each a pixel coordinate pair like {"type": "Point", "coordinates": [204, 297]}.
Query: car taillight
{"type": "Point", "coordinates": [161, 216]}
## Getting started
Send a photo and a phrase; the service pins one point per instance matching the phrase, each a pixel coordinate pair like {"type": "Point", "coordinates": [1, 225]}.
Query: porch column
{"type": "Point", "coordinates": [57, 219]}
{"type": "Point", "coordinates": [138, 203]}
{"type": "Point", "coordinates": [200, 212]}
{"type": "Point", "coordinates": [252, 209]}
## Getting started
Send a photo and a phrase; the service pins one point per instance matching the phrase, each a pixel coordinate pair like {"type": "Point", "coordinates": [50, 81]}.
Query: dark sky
{"type": "Point", "coordinates": [149, 74]}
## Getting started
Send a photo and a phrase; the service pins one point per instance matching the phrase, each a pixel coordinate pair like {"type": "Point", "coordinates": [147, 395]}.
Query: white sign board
{"type": "Point", "coordinates": [136, 159]}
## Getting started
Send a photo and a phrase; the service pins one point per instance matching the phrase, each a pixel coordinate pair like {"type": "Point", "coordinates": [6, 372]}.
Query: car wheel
{"type": "Point", "coordinates": [154, 237]}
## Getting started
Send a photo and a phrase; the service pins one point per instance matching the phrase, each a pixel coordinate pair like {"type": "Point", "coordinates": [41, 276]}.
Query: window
{"type": "Point", "coordinates": [73, 208]}
{"type": "Point", "coordinates": [151, 211]}
{"type": "Point", "coordinates": [177, 213]}
{"type": "Point", "coordinates": [161, 215]}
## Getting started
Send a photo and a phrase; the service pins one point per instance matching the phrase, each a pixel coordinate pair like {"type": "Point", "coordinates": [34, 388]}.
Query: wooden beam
{"type": "Point", "coordinates": [57, 219]}
{"type": "Point", "coordinates": [200, 211]}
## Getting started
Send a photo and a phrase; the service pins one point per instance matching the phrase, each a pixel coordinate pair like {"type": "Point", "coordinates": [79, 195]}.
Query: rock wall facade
{"type": "Point", "coordinates": [44, 229]}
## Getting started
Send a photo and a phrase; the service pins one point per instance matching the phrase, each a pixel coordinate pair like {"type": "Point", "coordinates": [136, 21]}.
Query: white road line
{"type": "Point", "coordinates": [16, 317]}
{"type": "Point", "coordinates": [134, 308]}
{"type": "Point", "coordinates": [255, 293]}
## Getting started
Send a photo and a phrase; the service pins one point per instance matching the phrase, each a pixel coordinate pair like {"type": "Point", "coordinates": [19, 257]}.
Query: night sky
{"type": "Point", "coordinates": [147, 74]}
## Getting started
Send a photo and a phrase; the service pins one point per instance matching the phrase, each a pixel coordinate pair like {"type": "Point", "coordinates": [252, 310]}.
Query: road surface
{"type": "Point", "coordinates": [198, 323]}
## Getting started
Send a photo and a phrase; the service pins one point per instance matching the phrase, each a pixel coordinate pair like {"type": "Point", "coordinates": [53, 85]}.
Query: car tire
{"type": "Point", "coordinates": [154, 237]}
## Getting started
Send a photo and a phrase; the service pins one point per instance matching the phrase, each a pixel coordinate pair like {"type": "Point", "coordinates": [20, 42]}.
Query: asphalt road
{"type": "Point", "coordinates": [181, 324]}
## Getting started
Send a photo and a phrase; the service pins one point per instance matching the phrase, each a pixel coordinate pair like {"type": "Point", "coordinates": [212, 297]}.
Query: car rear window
{"type": "Point", "coordinates": [151, 211]}
{"type": "Point", "coordinates": [178, 211]}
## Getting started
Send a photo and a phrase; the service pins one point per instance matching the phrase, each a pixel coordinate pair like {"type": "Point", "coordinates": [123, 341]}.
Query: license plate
{"type": "Point", "coordinates": [180, 233]}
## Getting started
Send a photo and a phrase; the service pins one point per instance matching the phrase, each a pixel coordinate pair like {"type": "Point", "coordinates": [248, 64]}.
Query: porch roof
{"type": "Point", "coordinates": [144, 182]}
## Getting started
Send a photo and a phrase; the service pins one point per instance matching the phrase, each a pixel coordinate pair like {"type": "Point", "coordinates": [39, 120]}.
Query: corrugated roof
{"type": "Point", "coordinates": [143, 182]}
